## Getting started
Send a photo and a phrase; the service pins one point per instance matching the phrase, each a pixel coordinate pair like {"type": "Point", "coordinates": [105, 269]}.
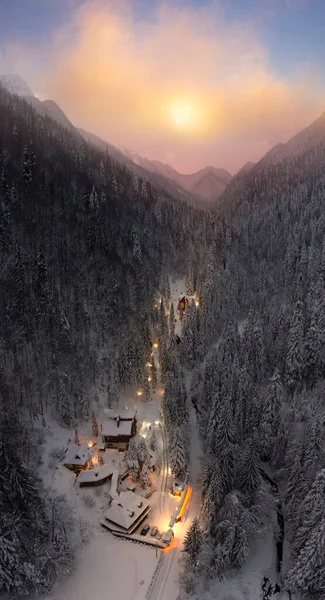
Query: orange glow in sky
{"type": "Point", "coordinates": [184, 86]}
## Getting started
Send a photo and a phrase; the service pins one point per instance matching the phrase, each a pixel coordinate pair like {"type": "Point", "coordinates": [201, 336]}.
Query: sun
{"type": "Point", "coordinates": [184, 114]}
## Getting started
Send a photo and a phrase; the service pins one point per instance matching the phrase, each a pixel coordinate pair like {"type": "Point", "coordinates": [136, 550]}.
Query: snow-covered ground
{"type": "Point", "coordinates": [115, 568]}
{"type": "Point", "coordinates": [247, 584]}
{"type": "Point", "coordinates": [109, 568]}
{"type": "Point", "coordinates": [106, 566]}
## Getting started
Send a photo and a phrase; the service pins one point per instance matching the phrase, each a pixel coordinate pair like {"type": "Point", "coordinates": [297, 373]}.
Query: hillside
{"type": "Point", "coordinates": [259, 395]}
{"type": "Point", "coordinates": [83, 247]}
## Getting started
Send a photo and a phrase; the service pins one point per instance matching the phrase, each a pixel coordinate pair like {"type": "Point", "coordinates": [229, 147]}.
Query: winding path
{"type": "Point", "coordinates": [276, 496]}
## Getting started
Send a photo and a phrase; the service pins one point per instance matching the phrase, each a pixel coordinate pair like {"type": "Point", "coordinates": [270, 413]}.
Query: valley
{"type": "Point", "coordinates": [162, 348]}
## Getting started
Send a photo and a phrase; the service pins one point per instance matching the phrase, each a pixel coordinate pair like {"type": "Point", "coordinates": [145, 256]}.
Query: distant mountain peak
{"type": "Point", "coordinates": [15, 84]}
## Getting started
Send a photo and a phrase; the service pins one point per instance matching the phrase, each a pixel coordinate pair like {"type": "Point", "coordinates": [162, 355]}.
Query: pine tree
{"type": "Point", "coordinates": [249, 476]}
{"type": "Point", "coordinates": [294, 358]}
{"type": "Point", "coordinates": [193, 541]}
{"type": "Point", "coordinates": [143, 454]}
{"type": "Point", "coordinates": [65, 407]}
{"type": "Point", "coordinates": [177, 454]}
{"type": "Point", "coordinates": [311, 513]}
{"type": "Point", "coordinates": [153, 441]}
{"type": "Point", "coordinates": [312, 353]}
{"type": "Point", "coordinates": [94, 426]}
{"type": "Point", "coordinates": [144, 477]}
{"type": "Point", "coordinates": [308, 571]}
{"type": "Point", "coordinates": [83, 406]}
{"type": "Point", "coordinates": [131, 459]}
{"type": "Point", "coordinates": [153, 371]}
{"type": "Point", "coordinates": [271, 415]}
{"type": "Point", "coordinates": [172, 319]}
{"type": "Point", "coordinates": [146, 390]}
{"type": "Point", "coordinates": [76, 437]}
{"type": "Point", "coordinates": [113, 385]}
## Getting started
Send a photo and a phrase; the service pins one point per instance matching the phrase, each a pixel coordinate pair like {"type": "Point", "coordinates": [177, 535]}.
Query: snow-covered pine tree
{"type": "Point", "coordinates": [131, 459]}
{"type": "Point", "coordinates": [193, 541]}
{"type": "Point", "coordinates": [177, 454]}
{"type": "Point", "coordinates": [94, 425]}
{"type": "Point", "coordinates": [311, 512]}
{"type": "Point", "coordinates": [144, 477]}
{"type": "Point", "coordinates": [143, 454]}
{"type": "Point", "coordinates": [113, 385]}
{"type": "Point", "coordinates": [270, 421]}
{"type": "Point", "coordinates": [65, 407]}
{"type": "Point", "coordinates": [294, 358]}
{"type": "Point", "coordinates": [83, 405]}
{"type": "Point", "coordinates": [153, 371]}
{"type": "Point", "coordinates": [146, 390]}
{"type": "Point", "coordinates": [312, 352]}
{"type": "Point", "coordinates": [308, 571]}
{"type": "Point", "coordinates": [76, 437]}
{"type": "Point", "coordinates": [172, 318]}
{"type": "Point", "coordinates": [249, 477]}
{"type": "Point", "coordinates": [153, 441]}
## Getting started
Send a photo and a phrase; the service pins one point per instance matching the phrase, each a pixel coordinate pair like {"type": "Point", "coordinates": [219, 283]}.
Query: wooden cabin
{"type": "Point", "coordinates": [182, 306]}
{"type": "Point", "coordinates": [118, 430]}
{"type": "Point", "coordinates": [77, 457]}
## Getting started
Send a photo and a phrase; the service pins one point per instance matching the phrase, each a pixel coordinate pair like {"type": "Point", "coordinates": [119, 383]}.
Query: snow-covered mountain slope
{"type": "Point", "coordinates": [48, 108]}
{"type": "Point", "coordinates": [245, 168]}
{"type": "Point", "coordinates": [16, 85]}
{"type": "Point", "coordinates": [304, 140]}
{"type": "Point", "coordinates": [208, 183]}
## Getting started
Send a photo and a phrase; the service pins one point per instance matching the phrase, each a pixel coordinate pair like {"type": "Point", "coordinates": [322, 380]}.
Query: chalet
{"type": "Point", "coordinates": [118, 429]}
{"type": "Point", "coordinates": [77, 457]}
{"type": "Point", "coordinates": [126, 512]}
{"type": "Point", "coordinates": [182, 305]}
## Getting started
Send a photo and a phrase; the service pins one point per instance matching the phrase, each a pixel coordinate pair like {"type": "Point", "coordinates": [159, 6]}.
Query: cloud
{"type": "Point", "coordinates": [186, 83]}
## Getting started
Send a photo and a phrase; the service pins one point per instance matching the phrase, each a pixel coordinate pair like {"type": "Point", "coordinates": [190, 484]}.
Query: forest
{"type": "Point", "coordinates": [84, 247]}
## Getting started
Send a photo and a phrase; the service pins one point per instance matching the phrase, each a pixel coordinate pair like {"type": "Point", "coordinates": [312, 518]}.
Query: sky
{"type": "Point", "coordinates": [188, 82]}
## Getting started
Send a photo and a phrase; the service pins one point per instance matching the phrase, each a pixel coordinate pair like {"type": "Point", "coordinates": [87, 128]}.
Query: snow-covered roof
{"type": "Point", "coordinates": [111, 427]}
{"type": "Point", "coordinates": [94, 475]}
{"type": "Point", "coordinates": [126, 415]}
{"type": "Point", "coordinates": [77, 455]}
{"type": "Point", "coordinates": [126, 509]}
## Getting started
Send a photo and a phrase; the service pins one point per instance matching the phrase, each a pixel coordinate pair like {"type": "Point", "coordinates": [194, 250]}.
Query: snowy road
{"type": "Point", "coordinates": [164, 472]}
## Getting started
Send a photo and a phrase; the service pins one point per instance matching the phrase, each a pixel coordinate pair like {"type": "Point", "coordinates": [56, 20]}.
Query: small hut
{"type": "Point", "coordinates": [77, 457]}
{"type": "Point", "coordinates": [182, 306]}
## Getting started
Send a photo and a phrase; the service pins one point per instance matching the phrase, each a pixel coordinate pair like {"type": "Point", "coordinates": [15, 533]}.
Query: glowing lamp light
{"type": "Point", "coordinates": [169, 471]}
{"type": "Point", "coordinates": [90, 444]}
{"type": "Point", "coordinates": [155, 345]}
{"type": "Point", "coordinates": [139, 393]}
{"type": "Point", "coordinates": [157, 422]}
{"type": "Point", "coordinates": [197, 303]}
{"type": "Point", "coordinates": [149, 378]}
{"type": "Point", "coordinates": [148, 364]}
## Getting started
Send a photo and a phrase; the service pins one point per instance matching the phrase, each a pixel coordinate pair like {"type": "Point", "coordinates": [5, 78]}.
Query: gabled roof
{"type": "Point", "coordinates": [77, 455]}
{"type": "Point", "coordinates": [125, 415]}
{"type": "Point", "coordinates": [115, 428]}
{"type": "Point", "coordinates": [126, 508]}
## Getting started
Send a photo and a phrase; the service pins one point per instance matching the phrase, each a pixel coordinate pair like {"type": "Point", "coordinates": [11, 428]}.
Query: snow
{"type": "Point", "coordinates": [112, 428]}
{"type": "Point", "coordinates": [118, 565]}
{"type": "Point", "coordinates": [77, 455]}
{"type": "Point", "coordinates": [95, 475]}
{"type": "Point", "coordinates": [110, 568]}
{"type": "Point", "coordinates": [16, 85]}
{"type": "Point", "coordinates": [126, 509]}
{"type": "Point", "coordinates": [248, 582]}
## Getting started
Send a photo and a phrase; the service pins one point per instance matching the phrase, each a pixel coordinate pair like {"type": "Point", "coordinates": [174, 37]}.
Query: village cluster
{"type": "Point", "coordinates": [129, 455]}
{"type": "Point", "coordinates": [126, 458]}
